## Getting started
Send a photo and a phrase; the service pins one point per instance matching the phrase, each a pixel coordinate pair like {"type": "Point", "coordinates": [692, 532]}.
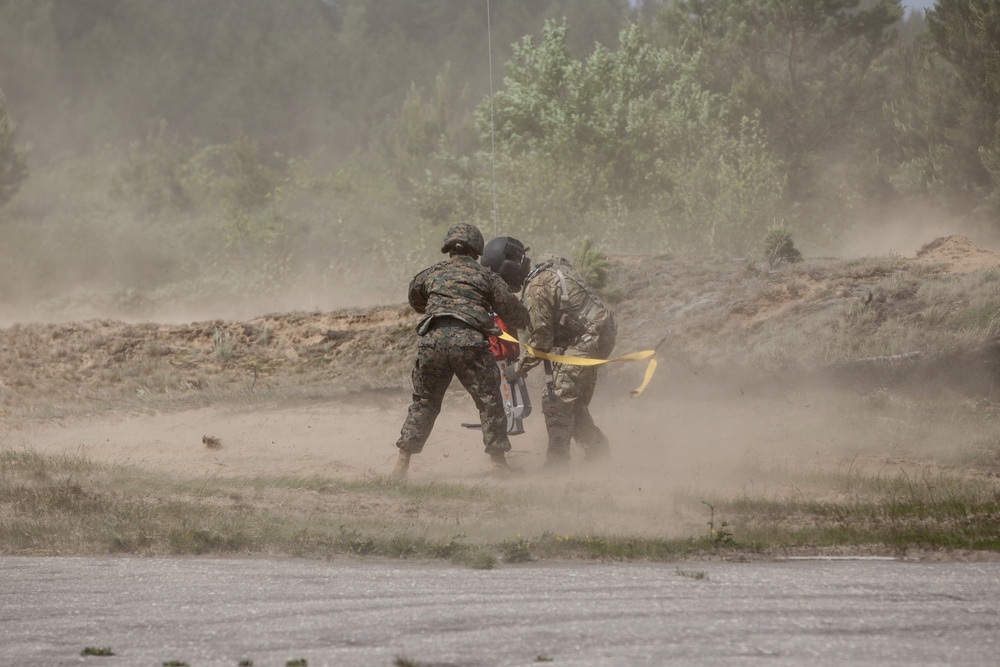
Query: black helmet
{"type": "Point", "coordinates": [506, 256]}
{"type": "Point", "coordinates": [466, 235]}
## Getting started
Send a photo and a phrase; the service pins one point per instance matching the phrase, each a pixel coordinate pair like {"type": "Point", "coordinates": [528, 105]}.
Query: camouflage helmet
{"type": "Point", "coordinates": [466, 235]}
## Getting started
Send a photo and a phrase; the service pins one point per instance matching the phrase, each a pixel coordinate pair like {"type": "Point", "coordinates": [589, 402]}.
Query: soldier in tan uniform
{"type": "Point", "coordinates": [569, 318]}
{"type": "Point", "coordinates": [458, 298]}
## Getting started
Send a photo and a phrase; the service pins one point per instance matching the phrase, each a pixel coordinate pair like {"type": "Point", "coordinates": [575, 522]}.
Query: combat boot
{"type": "Point", "coordinates": [501, 466]}
{"type": "Point", "coordinates": [556, 462]}
{"type": "Point", "coordinates": [559, 424]}
{"type": "Point", "coordinates": [557, 454]}
{"type": "Point", "coordinates": [596, 452]}
{"type": "Point", "coordinates": [402, 465]}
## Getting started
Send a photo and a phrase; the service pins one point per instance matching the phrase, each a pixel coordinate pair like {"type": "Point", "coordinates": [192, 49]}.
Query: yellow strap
{"type": "Point", "coordinates": [584, 361]}
{"type": "Point", "coordinates": [650, 369]}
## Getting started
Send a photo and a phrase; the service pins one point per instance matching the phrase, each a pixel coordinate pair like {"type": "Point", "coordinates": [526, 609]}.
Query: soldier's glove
{"type": "Point", "coordinates": [521, 370]}
{"type": "Point", "coordinates": [511, 375]}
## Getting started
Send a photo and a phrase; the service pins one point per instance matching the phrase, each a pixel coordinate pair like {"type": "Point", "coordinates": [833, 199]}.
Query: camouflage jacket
{"type": "Point", "coordinates": [462, 288]}
{"type": "Point", "coordinates": [565, 312]}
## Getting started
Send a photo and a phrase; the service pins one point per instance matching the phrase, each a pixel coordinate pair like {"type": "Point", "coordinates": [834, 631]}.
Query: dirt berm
{"type": "Point", "coordinates": [925, 319]}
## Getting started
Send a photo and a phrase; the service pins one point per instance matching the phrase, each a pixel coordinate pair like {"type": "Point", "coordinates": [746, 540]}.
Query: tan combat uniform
{"type": "Point", "coordinates": [567, 317]}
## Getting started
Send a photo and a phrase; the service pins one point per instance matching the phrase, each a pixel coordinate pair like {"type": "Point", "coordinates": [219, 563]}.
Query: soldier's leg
{"type": "Point", "coordinates": [560, 412]}
{"type": "Point", "coordinates": [559, 425]}
{"type": "Point", "coordinates": [431, 376]}
{"type": "Point", "coordinates": [477, 370]}
{"type": "Point", "coordinates": [585, 431]}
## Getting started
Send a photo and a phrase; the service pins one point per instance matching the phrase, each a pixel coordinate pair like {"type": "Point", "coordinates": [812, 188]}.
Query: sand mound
{"type": "Point", "coordinates": [959, 253]}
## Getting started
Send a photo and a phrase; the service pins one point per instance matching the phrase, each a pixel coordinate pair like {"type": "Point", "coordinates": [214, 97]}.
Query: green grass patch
{"type": "Point", "coordinates": [897, 511]}
{"type": "Point", "coordinates": [70, 505]}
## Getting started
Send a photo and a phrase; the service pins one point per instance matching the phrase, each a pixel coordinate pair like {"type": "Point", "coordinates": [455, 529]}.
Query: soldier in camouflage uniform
{"type": "Point", "coordinates": [569, 318]}
{"type": "Point", "coordinates": [456, 297]}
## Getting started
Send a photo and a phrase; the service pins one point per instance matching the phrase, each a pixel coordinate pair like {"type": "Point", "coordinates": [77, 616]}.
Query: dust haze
{"type": "Point", "coordinates": [904, 230]}
{"type": "Point", "coordinates": [677, 449]}
{"type": "Point", "coordinates": [701, 432]}
{"type": "Point", "coordinates": [69, 253]}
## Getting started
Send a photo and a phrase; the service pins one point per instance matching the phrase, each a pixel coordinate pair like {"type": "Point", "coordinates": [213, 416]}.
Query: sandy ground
{"type": "Point", "coordinates": [671, 437]}
{"type": "Point", "coordinates": [677, 450]}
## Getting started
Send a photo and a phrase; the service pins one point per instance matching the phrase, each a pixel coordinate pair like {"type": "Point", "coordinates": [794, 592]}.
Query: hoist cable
{"type": "Point", "coordinates": [493, 160]}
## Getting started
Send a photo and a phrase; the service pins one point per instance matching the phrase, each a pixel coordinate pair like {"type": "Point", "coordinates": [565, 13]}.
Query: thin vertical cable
{"type": "Point", "coordinates": [493, 159]}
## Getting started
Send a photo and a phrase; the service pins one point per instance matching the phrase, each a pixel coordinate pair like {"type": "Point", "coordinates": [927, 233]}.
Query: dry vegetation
{"type": "Point", "coordinates": [825, 405]}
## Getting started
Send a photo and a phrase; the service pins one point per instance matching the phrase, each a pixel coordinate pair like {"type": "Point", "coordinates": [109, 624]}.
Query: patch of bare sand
{"type": "Point", "coordinates": [657, 441]}
{"type": "Point", "coordinates": [672, 448]}
{"type": "Point", "coordinates": [957, 254]}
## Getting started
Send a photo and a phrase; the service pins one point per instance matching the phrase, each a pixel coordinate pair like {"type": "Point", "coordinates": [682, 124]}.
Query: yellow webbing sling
{"type": "Point", "coordinates": [583, 361]}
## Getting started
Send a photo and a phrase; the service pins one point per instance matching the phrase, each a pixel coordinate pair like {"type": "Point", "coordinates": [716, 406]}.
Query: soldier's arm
{"type": "Point", "coordinates": [542, 304]}
{"type": "Point", "coordinates": [541, 301]}
{"type": "Point", "coordinates": [506, 305]}
{"type": "Point", "coordinates": [418, 293]}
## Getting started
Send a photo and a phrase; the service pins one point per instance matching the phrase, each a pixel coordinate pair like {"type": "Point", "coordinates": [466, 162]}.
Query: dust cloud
{"type": "Point", "coordinates": [695, 436]}
{"type": "Point", "coordinates": [902, 231]}
{"type": "Point", "coordinates": [677, 449]}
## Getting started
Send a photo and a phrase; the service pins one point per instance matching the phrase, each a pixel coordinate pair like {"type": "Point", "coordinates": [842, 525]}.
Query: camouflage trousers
{"type": "Point", "coordinates": [567, 412]}
{"type": "Point", "coordinates": [465, 354]}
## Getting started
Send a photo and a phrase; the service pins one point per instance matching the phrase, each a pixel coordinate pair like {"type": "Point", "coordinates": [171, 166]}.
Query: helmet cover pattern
{"type": "Point", "coordinates": [466, 234]}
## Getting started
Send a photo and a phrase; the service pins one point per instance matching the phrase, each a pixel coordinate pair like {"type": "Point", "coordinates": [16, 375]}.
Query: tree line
{"type": "Point", "coordinates": [274, 141]}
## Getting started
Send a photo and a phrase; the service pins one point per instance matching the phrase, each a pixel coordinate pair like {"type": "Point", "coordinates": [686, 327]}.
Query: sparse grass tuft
{"type": "Point", "coordinates": [224, 345]}
{"type": "Point", "coordinates": [401, 661]}
{"type": "Point", "coordinates": [936, 314]}
{"type": "Point", "coordinates": [518, 551]}
{"type": "Point", "coordinates": [481, 558]}
{"type": "Point", "coordinates": [698, 575]}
